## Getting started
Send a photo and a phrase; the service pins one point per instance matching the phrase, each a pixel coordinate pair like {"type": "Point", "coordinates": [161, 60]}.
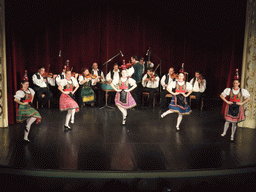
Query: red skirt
{"type": "Point", "coordinates": [234, 119]}
{"type": "Point", "coordinates": [66, 103]}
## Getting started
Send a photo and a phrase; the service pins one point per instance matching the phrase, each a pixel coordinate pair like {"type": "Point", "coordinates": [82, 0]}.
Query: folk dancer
{"type": "Point", "coordinates": [67, 100]}
{"type": "Point", "coordinates": [24, 97]}
{"type": "Point", "coordinates": [199, 85]}
{"type": "Point", "coordinates": [124, 99]}
{"type": "Point", "coordinates": [179, 100]}
{"type": "Point", "coordinates": [234, 112]}
{"type": "Point", "coordinates": [87, 94]}
{"type": "Point", "coordinates": [150, 83]}
{"type": "Point", "coordinates": [165, 81]}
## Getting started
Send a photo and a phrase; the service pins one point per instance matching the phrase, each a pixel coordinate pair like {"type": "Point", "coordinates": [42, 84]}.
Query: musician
{"type": "Point", "coordinates": [124, 99]}
{"type": "Point", "coordinates": [146, 65]}
{"type": "Point", "coordinates": [150, 83]}
{"type": "Point", "coordinates": [113, 77]}
{"type": "Point", "coordinates": [199, 85]}
{"type": "Point", "coordinates": [96, 86]}
{"type": "Point", "coordinates": [137, 76]}
{"type": "Point", "coordinates": [67, 100]}
{"type": "Point", "coordinates": [24, 97]}
{"type": "Point", "coordinates": [165, 81]}
{"type": "Point", "coordinates": [87, 94]}
{"type": "Point", "coordinates": [234, 112]}
{"type": "Point", "coordinates": [179, 99]}
{"type": "Point", "coordinates": [42, 85]}
{"type": "Point", "coordinates": [61, 76]}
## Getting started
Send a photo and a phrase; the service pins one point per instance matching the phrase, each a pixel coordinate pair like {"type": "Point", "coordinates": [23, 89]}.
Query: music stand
{"type": "Point", "coordinates": [106, 70]}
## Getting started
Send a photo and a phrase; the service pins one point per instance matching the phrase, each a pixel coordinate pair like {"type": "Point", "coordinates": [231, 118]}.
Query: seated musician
{"type": "Point", "coordinates": [87, 94]}
{"type": "Point", "coordinates": [96, 82]}
{"type": "Point", "coordinates": [199, 85]}
{"type": "Point", "coordinates": [42, 85]}
{"type": "Point", "coordinates": [165, 81]}
{"type": "Point", "coordinates": [146, 64]}
{"type": "Point", "coordinates": [113, 77]}
{"type": "Point", "coordinates": [150, 83]}
{"type": "Point", "coordinates": [61, 76]}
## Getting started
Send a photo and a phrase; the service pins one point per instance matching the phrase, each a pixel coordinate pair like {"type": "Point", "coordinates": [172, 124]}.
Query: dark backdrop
{"type": "Point", "coordinates": [206, 35]}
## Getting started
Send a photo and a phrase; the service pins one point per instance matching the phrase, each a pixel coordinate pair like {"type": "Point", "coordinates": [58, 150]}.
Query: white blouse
{"type": "Point", "coordinates": [20, 93]}
{"type": "Point", "coordinates": [245, 93]}
{"type": "Point", "coordinates": [131, 81]}
{"type": "Point", "coordinates": [72, 80]}
{"type": "Point", "coordinates": [172, 85]}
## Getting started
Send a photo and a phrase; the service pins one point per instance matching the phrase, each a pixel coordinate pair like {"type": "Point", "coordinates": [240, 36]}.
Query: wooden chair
{"type": "Point", "coordinates": [146, 94]}
{"type": "Point", "coordinates": [194, 97]}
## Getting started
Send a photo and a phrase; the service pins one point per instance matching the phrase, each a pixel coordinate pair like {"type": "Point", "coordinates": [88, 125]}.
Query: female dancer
{"type": "Point", "coordinates": [179, 102]}
{"type": "Point", "coordinates": [87, 94]}
{"type": "Point", "coordinates": [124, 99]}
{"type": "Point", "coordinates": [234, 112]}
{"type": "Point", "coordinates": [24, 97]}
{"type": "Point", "coordinates": [67, 100]}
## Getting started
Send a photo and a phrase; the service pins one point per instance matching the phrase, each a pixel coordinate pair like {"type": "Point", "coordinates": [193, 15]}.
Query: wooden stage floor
{"type": "Point", "coordinates": [98, 141]}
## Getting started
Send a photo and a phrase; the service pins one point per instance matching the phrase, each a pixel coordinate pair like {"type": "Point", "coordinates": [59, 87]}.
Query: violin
{"type": "Point", "coordinates": [175, 76]}
{"type": "Point", "coordinates": [91, 76]}
{"type": "Point", "coordinates": [126, 66]}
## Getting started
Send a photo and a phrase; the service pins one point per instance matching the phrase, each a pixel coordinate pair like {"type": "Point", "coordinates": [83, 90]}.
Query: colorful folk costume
{"type": "Point", "coordinates": [26, 112]}
{"type": "Point", "coordinates": [123, 98]}
{"type": "Point", "coordinates": [67, 101]}
{"type": "Point", "coordinates": [87, 94]}
{"type": "Point", "coordinates": [234, 113]}
{"type": "Point", "coordinates": [179, 102]}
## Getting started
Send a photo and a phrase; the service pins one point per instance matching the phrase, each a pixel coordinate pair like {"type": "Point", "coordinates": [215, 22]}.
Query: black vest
{"type": "Point", "coordinates": [99, 72]}
{"type": "Point", "coordinates": [112, 74]}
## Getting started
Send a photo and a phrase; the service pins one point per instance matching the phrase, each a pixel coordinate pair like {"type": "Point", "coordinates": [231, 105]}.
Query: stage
{"type": "Point", "coordinates": [99, 142]}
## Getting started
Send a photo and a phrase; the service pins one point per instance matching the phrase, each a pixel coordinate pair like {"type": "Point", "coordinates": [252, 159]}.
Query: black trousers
{"type": "Point", "coordinates": [137, 94]}
{"type": "Point", "coordinates": [151, 92]}
{"type": "Point", "coordinates": [99, 94]}
{"type": "Point", "coordinates": [198, 99]}
{"type": "Point", "coordinates": [163, 98]}
{"type": "Point", "coordinates": [46, 91]}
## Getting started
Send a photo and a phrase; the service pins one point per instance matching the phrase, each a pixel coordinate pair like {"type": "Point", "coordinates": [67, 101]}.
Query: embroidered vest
{"type": "Point", "coordinates": [69, 87]}
{"type": "Point", "coordinates": [123, 85]}
{"type": "Point", "coordinates": [235, 98]}
{"type": "Point", "coordinates": [180, 88]}
{"type": "Point", "coordinates": [27, 97]}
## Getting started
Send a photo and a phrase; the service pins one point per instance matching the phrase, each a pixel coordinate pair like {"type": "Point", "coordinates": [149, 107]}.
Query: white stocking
{"type": "Point", "coordinates": [233, 130]}
{"type": "Point", "coordinates": [179, 121]}
{"type": "Point", "coordinates": [226, 125]}
{"type": "Point", "coordinates": [73, 111]}
{"type": "Point", "coordinates": [68, 116]}
{"type": "Point", "coordinates": [28, 126]}
{"type": "Point", "coordinates": [166, 113]}
{"type": "Point", "coordinates": [124, 112]}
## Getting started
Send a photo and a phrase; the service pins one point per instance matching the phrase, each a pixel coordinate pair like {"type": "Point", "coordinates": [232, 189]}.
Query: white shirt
{"type": "Point", "coordinates": [163, 80]}
{"type": "Point", "coordinates": [172, 85]}
{"type": "Point", "coordinates": [81, 78]}
{"type": "Point", "coordinates": [196, 85]}
{"type": "Point", "coordinates": [96, 72]}
{"type": "Point", "coordinates": [116, 77]}
{"type": "Point", "coordinates": [58, 78]}
{"type": "Point", "coordinates": [20, 93]}
{"type": "Point", "coordinates": [40, 82]}
{"type": "Point", "coordinates": [130, 71]}
{"type": "Point", "coordinates": [244, 92]}
{"type": "Point", "coordinates": [150, 84]}
{"type": "Point", "coordinates": [72, 80]}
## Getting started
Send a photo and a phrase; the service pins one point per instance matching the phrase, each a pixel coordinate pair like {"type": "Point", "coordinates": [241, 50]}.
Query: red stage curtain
{"type": "Point", "coordinates": [97, 30]}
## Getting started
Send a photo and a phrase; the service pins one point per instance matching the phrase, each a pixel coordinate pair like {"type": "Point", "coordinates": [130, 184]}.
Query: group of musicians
{"type": "Point", "coordinates": [138, 77]}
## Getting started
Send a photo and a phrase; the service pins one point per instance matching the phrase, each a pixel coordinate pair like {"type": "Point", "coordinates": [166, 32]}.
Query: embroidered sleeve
{"type": "Point", "coordinates": [226, 92]}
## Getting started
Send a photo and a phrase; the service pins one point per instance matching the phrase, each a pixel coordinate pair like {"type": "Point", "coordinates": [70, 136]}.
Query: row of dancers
{"type": "Point", "coordinates": [124, 100]}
